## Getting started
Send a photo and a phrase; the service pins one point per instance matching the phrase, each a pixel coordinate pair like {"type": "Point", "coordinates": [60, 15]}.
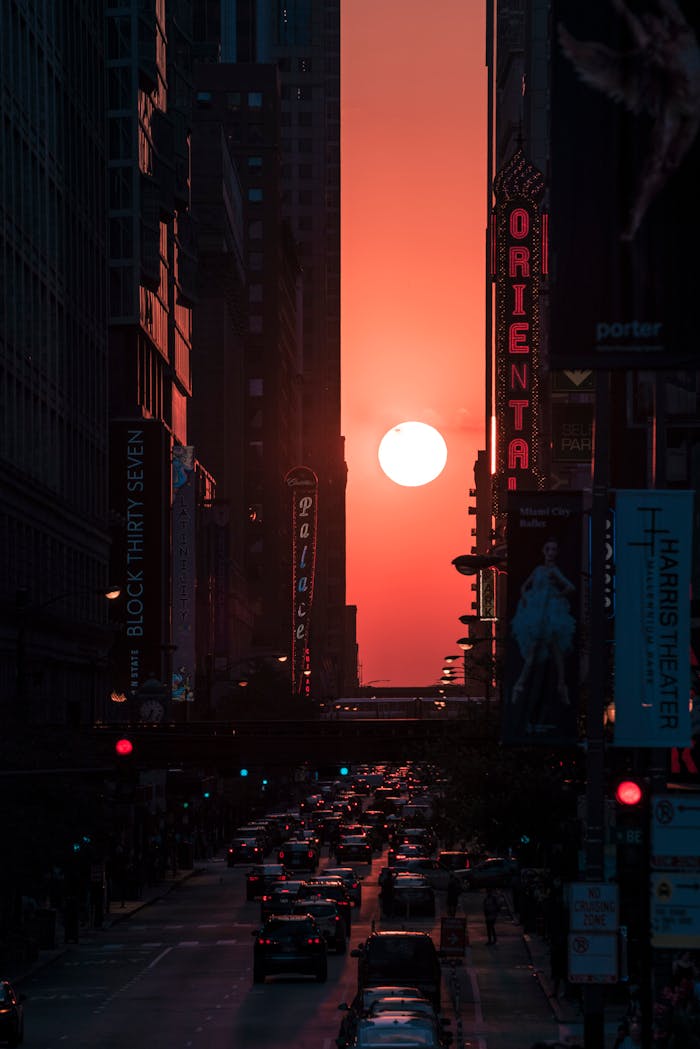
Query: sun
{"type": "Point", "coordinates": [412, 454]}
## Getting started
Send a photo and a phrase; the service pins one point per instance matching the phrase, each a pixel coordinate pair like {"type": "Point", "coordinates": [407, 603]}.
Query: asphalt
{"type": "Point", "coordinates": [565, 1006]}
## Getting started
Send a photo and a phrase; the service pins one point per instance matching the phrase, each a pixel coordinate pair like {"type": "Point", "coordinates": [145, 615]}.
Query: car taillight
{"type": "Point", "coordinates": [314, 939]}
{"type": "Point", "coordinates": [281, 854]}
{"type": "Point", "coordinates": [337, 918]}
{"type": "Point", "coordinates": [310, 854]}
{"type": "Point", "coordinates": [264, 941]}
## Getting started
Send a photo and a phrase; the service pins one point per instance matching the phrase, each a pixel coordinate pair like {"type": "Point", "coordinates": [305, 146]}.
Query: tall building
{"type": "Point", "coordinates": [246, 414]}
{"type": "Point", "coordinates": [302, 39]}
{"type": "Point", "coordinates": [53, 362]}
{"type": "Point", "coordinates": [151, 290]}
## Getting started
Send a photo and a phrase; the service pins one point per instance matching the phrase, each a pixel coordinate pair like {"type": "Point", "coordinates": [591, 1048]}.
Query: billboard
{"type": "Point", "coordinates": [572, 433]}
{"type": "Point", "coordinates": [540, 678]}
{"type": "Point", "coordinates": [652, 618]}
{"type": "Point", "coordinates": [625, 166]}
{"type": "Point", "coordinates": [518, 264]}
{"type": "Point", "coordinates": [303, 485]}
{"type": "Point", "coordinates": [140, 501]}
{"type": "Point", "coordinates": [184, 574]}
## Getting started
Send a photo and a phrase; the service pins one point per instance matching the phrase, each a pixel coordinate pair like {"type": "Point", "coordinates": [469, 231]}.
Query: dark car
{"type": "Point", "coordinates": [330, 920]}
{"type": "Point", "coordinates": [290, 943]}
{"type": "Point", "coordinates": [279, 898]}
{"type": "Point", "coordinates": [413, 896]}
{"type": "Point", "coordinates": [400, 957]}
{"type": "Point", "coordinates": [496, 871]}
{"type": "Point", "coordinates": [261, 877]}
{"type": "Point", "coordinates": [11, 1014]}
{"type": "Point", "coordinates": [298, 855]}
{"type": "Point", "coordinates": [350, 879]}
{"type": "Point", "coordinates": [454, 860]}
{"type": "Point", "coordinates": [244, 850]}
{"type": "Point", "coordinates": [351, 847]}
{"type": "Point", "coordinates": [329, 889]}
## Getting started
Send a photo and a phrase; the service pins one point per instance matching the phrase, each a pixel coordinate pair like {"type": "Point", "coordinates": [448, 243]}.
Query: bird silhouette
{"type": "Point", "coordinates": [658, 77]}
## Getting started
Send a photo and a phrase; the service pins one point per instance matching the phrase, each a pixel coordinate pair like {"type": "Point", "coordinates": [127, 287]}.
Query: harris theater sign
{"type": "Point", "coordinates": [518, 263]}
{"type": "Point", "coordinates": [303, 484]}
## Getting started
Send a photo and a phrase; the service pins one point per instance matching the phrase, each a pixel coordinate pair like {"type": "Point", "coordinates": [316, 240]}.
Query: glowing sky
{"type": "Point", "coordinates": [413, 221]}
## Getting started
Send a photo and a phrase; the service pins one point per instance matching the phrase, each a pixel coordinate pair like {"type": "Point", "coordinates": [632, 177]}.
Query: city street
{"type": "Point", "coordinates": [176, 970]}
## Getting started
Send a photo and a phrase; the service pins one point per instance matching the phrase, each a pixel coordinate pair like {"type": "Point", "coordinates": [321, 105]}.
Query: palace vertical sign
{"type": "Point", "coordinates": [304, 488]}
{"type": "Point", "coordinates": [518, 264]}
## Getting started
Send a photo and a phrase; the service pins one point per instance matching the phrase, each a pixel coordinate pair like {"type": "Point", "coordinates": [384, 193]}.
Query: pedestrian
{"type": "Point", "coordinates": [454, 890]}
{"type": "Point", "coordinates": [491, 911]}
{"type": "Point", "coordinates": [387, 895]}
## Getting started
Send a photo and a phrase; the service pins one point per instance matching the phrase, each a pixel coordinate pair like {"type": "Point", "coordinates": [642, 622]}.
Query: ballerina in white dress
{"type": "Point", "coordinates": [543, 625]}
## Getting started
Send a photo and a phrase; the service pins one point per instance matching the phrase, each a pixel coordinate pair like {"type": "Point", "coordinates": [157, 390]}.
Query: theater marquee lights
{"type": "Point", "coordinates": [518, 263]}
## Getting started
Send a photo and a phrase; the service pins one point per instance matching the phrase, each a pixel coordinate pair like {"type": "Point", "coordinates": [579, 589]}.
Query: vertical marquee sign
{"type": "Point", "coordinates": [303, 484]}
{"type": "Point", "coordinates": [518, 263]}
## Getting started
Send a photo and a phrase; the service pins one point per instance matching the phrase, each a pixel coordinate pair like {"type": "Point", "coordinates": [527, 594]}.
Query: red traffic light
{"type": "Point", "coordinates": [124, 747]}
{"type": "Point", "coordinates": [628, 792]}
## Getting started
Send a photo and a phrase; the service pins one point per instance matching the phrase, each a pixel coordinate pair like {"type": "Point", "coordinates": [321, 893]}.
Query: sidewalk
{"type": "Point", "coordinates": [118, 912]}
{"type": "Point", "coordinates": [567, 1009]}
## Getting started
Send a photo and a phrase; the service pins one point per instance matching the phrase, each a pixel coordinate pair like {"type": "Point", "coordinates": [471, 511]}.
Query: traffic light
{"type": "Point", "coordinates": [124, 747]}
{"type": "Point", "coordinates": [243, 772]}
{"type": "Point", "coordinates": [632, 829]}
{"type": "Point", "coordinates": [629, 793]}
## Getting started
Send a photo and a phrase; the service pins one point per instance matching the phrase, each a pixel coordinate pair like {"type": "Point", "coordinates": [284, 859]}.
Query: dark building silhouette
{"type": "Point", "coordinates": [53, 363]}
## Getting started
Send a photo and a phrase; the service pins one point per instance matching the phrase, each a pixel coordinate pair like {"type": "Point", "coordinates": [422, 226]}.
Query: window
{"type": "Point", "coordinates": [255, 100]}
{"type": "Point", "coordinates": [255, 324]}
{"type": "Point", "coordinates": [255, 387]}
{"type": "Point", "coordinates": [255, 293]}
{"type": "Point", "coordinates": [233, 100]}
{"type": "Point", "coordinates": [255, 230]}
{"type": "Point", "coordinates": [204, 99]}
{"type": "Point", "coordinates": [254, 163]}
{"type": "Point", "coordinates": [255, 194]}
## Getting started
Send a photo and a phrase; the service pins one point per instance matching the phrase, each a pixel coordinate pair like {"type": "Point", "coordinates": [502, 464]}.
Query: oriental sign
{"type": "Point", "coordinates": [519, 260]}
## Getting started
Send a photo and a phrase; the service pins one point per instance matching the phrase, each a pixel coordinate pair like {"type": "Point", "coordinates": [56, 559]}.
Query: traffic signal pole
{"type": "Point", "coordinates": [594, 845]}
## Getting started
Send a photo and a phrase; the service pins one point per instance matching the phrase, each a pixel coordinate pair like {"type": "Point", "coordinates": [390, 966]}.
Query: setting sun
{"type": "Point", "coordinates": [412, 454]}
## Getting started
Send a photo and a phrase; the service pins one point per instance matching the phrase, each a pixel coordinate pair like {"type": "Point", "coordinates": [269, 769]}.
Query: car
{"type": "Point", "coordinates": [416, 1006]}
{"type": "Point", "coordinates": [429, 867]}
{"type": "Point", "coordinates": [405, 850]}
{"type": "Point", "coordinates": [399, 1030]}
{"type": "Point", "coordinates": [454, 860]}
{"type": "Point", "coordinates": [413, 895]}
{"type": "Point", "coordinates": [350, 879]}
{"type": "Point", "coordinates": [400, 956]}
{"type": "Point", "coordinates": [299, 855]}
{"type": "Point", "coordinates": [496, 871]}
{"type": "Point", "coordinates": [331, 921]}
{"type": "Point", "coordinates": [261, 877]}
{"type": "Point", "coordinates": [11, 1014]}
{"type": "Point", "coordinates": [244, 850]}
{"type": "Point", "coordinates": [290, 943]}
{"type": "Point", "coordinates": [361, 1005]}
{"type": "Point", "coordinates": [280, 898]}
{"type": "Point", "coordinates": [329, 889]}
{"type": "Point", "coordinates": [353, 847]}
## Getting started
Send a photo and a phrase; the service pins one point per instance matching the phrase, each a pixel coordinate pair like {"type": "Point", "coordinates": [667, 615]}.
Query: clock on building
{"type": "Point", "coordinates": [152, 710]}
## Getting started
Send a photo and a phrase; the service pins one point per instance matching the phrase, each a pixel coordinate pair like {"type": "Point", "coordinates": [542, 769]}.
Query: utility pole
{"type": "Point", "coordinates": [594, 1014]}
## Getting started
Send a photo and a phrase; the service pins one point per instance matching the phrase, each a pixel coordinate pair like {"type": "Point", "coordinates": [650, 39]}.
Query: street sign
{"type": "Point", "coordinates": [593, 907]}
{"type": "Point", "coordinates": [593, 957]}
{"type": "Point", "coordinates": [453, 937]}
{"type": "Point", "coordinates": [675, 831]}
{"type": "Point", "coordinates": [675, 909]}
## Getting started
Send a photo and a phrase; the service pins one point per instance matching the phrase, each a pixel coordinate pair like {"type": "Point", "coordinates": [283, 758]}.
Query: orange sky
{"type": "Point", "coordinates": [413, 219]}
